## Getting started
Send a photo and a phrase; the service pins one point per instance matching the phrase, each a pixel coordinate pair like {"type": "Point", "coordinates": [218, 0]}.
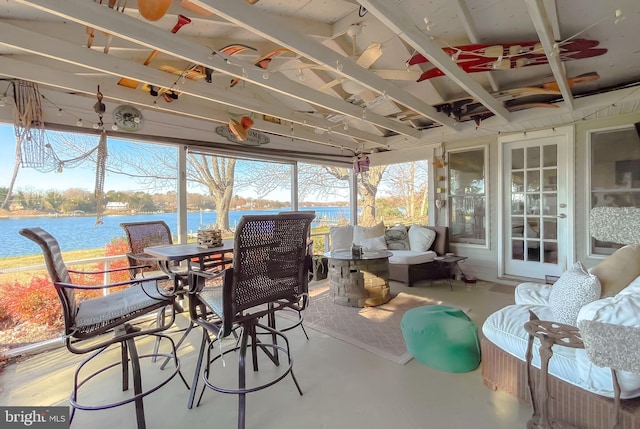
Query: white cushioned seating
{"type": "Point", "coordinates": [411, 257]}
{"type": "Point", "coordinates": [532, 293]}
{"type": "Point", "coordinates": [505, 327]}
{"type": "Point", "coordinates": [408, 254]}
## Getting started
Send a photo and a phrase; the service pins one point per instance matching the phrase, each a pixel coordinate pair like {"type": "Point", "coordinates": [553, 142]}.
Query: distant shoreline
{"type": "Point", "coordinates": [25, 214]}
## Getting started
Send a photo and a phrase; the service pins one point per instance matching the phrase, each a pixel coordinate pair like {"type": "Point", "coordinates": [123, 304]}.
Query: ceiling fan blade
{"type": "Point", "coordinates": [370, 55]}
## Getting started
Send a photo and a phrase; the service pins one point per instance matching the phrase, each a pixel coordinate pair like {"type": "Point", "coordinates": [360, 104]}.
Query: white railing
{"type": "Point", "coordinates": [106, 278]}
{"type": "Point", "coordinates": [326, 239]}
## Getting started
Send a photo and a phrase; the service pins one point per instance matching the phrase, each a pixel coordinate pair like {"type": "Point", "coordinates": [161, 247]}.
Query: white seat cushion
{"type": "Point", "coordinates": [411, 257]}
{"type": "Point", "coordinates": [532, 293]}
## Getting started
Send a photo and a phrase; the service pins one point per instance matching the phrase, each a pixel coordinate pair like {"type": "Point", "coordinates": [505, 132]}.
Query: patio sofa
{"type": "Point", "coordinates": [580, 393]}
{"type": "Point", "coordinates": [414, 248]}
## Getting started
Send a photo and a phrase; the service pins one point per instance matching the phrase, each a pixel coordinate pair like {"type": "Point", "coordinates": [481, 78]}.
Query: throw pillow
{"type": "Point", "coordinates": [374, 243]}
{"type": "Point", "coordinates": [618, 270]}
{"type": "Point", "coordinates": [341, 237]}
{"type": "Point", "coordinates": [362, 232]}
{"type": "Point", "coordinates": [575, 288]}
{"type": "Point", "coordinates": [397, 238]}
{"type": "Point", "coordinates": [421, 238]}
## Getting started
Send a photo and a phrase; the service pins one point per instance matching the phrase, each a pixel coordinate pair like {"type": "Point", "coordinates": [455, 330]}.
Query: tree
{"type": "Point", "coordinates": [320, 181]}
{"type": "Point", "coordinates": [54, 200]}
{"type": "Point", "coordinates": [368, 189]}
{"type": "Point", "coordinates": [217, 175]}
{"type": "Point", "coordinates": [408, 183]}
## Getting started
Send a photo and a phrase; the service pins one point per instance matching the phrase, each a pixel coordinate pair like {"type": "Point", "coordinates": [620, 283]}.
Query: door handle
{"type": "Point", "coordinates": [562, 215]}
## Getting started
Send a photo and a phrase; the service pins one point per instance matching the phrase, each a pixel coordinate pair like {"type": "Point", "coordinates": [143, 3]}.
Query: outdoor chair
{"type": "Point", "coordinates": [156, 233]}
{"type": "Point", "coordinates": [145, 234]}
{"type": "Point", "coordinates": [93, 325]}
{"type": "Point", "coordinates": [269, 274]}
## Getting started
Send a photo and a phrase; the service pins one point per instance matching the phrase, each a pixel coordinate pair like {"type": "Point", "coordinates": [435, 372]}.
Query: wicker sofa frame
{"type": "Point", "coordinates": [411, 273]}
{"type": "Point", "coordinates": [568, 403]}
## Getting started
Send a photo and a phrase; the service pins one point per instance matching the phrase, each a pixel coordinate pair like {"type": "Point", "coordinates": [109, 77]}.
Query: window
{"type": "Point", "coordinates": [615, 183]}
{"type": "Point", "coordinates": [467, 197]}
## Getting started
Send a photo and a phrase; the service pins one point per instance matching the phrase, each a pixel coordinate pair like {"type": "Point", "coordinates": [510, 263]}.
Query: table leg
{"type": "Point", "coordinates": [535, 417]}
{"type": "Point", "coordinates": [546, 352]}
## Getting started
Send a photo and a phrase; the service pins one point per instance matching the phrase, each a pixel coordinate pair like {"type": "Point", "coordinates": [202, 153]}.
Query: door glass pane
{"type": "Point", "coordinates": [517, 204]}
{"type": "Point", "coordinates": [517, 226]}
{"type": "Point", "coordinates": [549, 204]}
{"type": "Point", "coordinates": [533, 180]}
{"type": "Point", "coordinates": [517, 159]}
{"type": "Point", "coordinates": [550, 156]}
{"type": "Point", "coordinates": [533, 204]}
{"type": "Point", "coordinates": [533, 229]}
{"type": "Point", "coordinates": [533, 251]}
{"type": "Point", "coordinates": [550, 252]}
{"type": "Point", "coordinates": [517, 181]}
{"type": "Point", "coordinates": [533, 157]}
{"type": "Point", "coordinates": [517, 250]}
{"type": "Point", "coordinates": [550, 180]}
{"type": "Point", "coordinates": [550, 229]}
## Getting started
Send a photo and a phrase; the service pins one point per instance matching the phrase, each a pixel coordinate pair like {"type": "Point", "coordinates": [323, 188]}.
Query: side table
{"type": "Point", "coordinates": [450, 264]}
{"type": "Point", "coordinates": [359, 281]}
{"type": "Point", "coordinates": [549, 333]}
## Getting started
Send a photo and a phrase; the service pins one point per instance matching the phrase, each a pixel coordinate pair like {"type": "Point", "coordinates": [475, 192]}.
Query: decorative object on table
{"type": "Point", "coordinates": [356, 251]}
{"type": "Point", "coordinates": [128, 118]}
{"type": "Point", "coordinates": [208, 238]}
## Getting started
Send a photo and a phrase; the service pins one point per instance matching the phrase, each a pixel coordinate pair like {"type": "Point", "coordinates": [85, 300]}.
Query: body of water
{"type": "Point", "coordinates": [78, 233]}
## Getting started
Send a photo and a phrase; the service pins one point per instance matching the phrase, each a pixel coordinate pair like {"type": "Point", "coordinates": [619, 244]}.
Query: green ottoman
{"type": "Point", "coordinates": [442, 337]}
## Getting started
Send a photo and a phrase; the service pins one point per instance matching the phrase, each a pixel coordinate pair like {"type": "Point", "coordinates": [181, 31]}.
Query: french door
{"type": "Point", "coordinates": [537, 203]}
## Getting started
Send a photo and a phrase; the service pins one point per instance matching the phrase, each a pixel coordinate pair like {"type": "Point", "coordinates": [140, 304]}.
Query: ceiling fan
{"type": "Point", "coordinates": [366, 59]}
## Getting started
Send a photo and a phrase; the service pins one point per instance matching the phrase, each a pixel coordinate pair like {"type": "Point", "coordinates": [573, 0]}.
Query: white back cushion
{"type": "Point", "coordinates": [421, 238]}
{"type": "Point", "coordinates": [362, 232]}
{"type": "Point", "coordinates": [341, 237]}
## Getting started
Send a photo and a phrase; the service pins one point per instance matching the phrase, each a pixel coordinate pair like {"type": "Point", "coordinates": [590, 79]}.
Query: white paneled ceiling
{"type": "Point", "coordinates": [326, 105]}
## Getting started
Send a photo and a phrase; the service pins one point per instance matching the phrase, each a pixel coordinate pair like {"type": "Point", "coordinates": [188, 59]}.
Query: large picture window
{"type": "Point", "coordinates": [615, 184]}
{"type": "Point", "coordinates": [467, 196]}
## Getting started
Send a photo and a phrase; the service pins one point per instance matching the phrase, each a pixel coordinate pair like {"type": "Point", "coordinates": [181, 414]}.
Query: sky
{"type": "Point", "coordinates": [82, 177]}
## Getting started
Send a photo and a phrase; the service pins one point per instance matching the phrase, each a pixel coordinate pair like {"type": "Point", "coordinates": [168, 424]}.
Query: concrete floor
{"type": "Point", "coordinates": [344, 386]}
